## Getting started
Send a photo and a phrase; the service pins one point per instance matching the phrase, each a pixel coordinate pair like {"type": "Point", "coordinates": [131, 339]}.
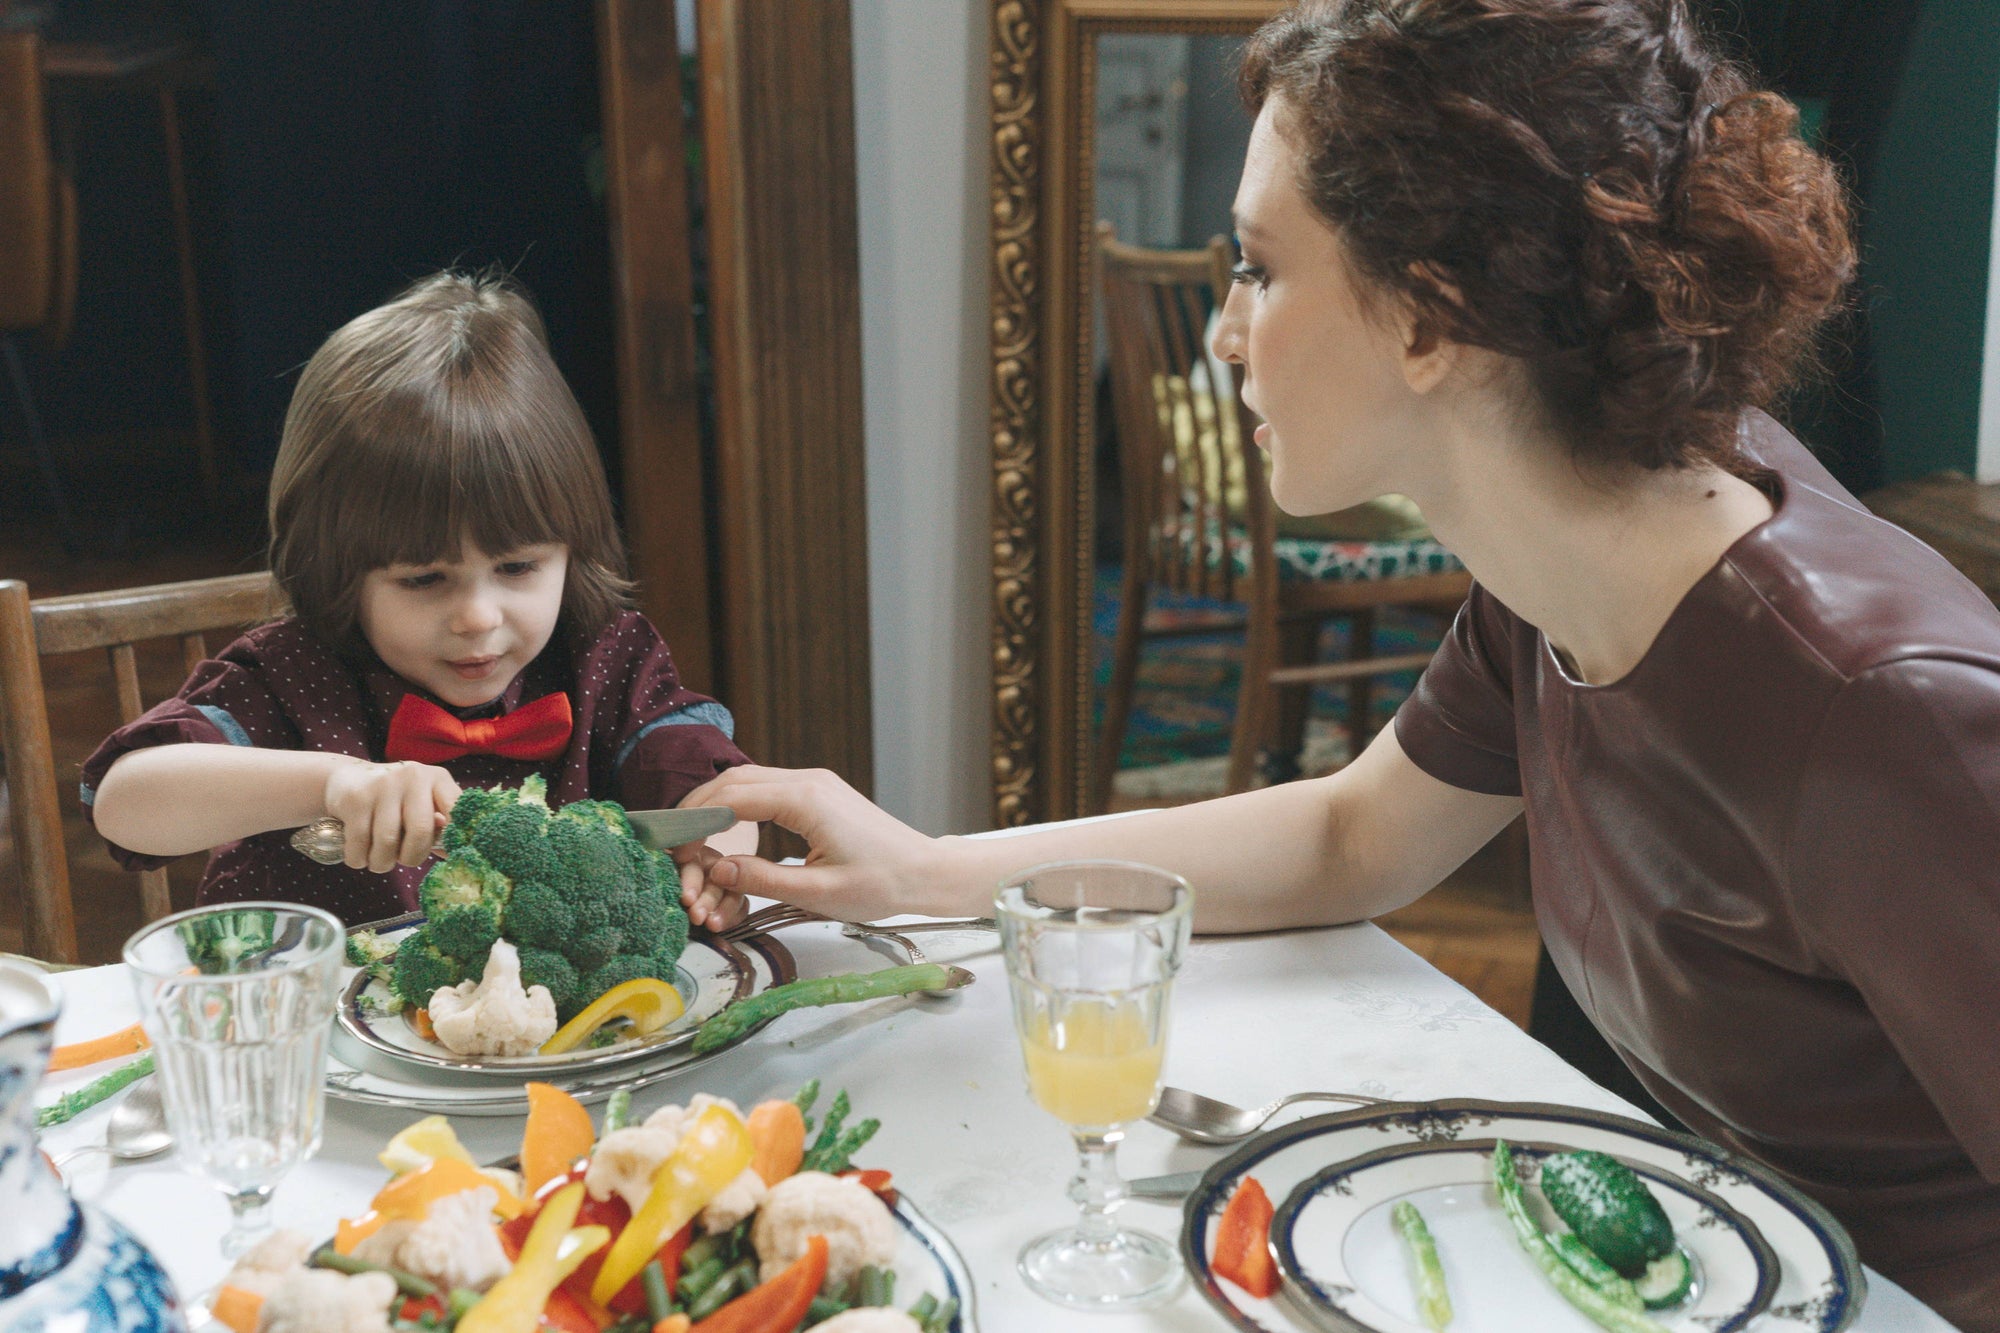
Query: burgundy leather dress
{"type": "Point", "coordinates": [1767, 861]}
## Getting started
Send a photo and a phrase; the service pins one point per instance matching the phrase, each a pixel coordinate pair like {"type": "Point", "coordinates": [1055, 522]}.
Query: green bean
{"type": "Point", "coordinates": [822, 1309]}
{"type": "Point", "coordinates": [1433, 1301]}
{"type": "Point", "coordinates": [618, 1113]}
{"type": "Point", "coordinates": [926, 1306]}
{"type": "Point", "coordinates": [658, 1304]}
{"type": "Point", "coordinates": [943, 1317]}
{"type": "Point", "coordinates": [737, 1020]}
{"type": "Point", "coordinates": [72, 1104]}
{"type": "Point", "coordinates": [740, 1278]}
{"type": "Point", "coordinates": [877, 1286]}
{"type": "Point", "coordinates": [1569, 1284]}
{"type": "Point", "coordinates": [699, 1278]}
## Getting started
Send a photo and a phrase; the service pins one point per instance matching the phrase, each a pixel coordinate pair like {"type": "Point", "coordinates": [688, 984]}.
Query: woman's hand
{"type": "Point", "coordinates": [392, 812]}
{"type": "Point", "coordinates": [862, 863]}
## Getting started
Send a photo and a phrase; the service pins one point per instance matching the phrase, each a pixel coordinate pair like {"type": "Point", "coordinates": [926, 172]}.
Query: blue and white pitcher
{"type": "Point", "coordinates": [65, 1267]}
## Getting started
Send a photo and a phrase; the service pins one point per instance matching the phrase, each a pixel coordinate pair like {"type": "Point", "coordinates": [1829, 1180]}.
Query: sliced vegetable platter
{"type": "Point", "coordinates": [374, 1032]}
{"type": "Point", "coordinates": [1761, 1252]}
{"type": "Point", "coordinates": [359, 1072]}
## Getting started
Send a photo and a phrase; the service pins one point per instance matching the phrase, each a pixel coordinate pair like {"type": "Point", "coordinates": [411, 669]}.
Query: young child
{"type": "Point", "coordinates": [442, 531]}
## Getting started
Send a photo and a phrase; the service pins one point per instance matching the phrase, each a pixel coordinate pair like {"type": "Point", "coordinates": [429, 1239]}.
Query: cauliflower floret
{"type": "Point", "coordinates": [455, 1245]}
{"type": "Point", "coordinates": [270, 1261]}
{"type": "Point", "coordinates": [739, 1198]}
{"type": "Point", "coordinates": [494, 1016]}
{"type": "Point", "coordinates": [624, 1161]}
{"type": "Point", "coordinates": [859, 1229]}
{"type": "Point", "coordinates": [380, 1245]}
{"type": "Point", "coordinates": [319, 1300]}
{"type": "Point", "coordinates": [870, 1319]}
{"type": "Point", "coordinates": [676, 1118]}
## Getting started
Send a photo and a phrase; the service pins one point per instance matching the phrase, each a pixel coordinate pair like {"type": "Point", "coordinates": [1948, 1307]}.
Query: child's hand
{"type": "Point", "coordinates": [393, 812]}
{"type": "Point", "coordinates": [708, 903]}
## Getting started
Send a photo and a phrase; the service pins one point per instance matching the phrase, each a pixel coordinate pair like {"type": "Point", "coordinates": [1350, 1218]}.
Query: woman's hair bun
{"type": "Point", "coordinates": [1586, 185]}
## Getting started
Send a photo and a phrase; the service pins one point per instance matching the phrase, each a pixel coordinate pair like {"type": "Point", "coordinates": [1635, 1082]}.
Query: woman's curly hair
{"type": "Point", "coordinates": [1585, 185]}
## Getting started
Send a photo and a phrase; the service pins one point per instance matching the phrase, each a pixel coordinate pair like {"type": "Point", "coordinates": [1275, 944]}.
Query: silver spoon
{"type": "Point", "coordinates": [138, 1128]}
{"type": "Point", "coordinates": [1202, 1119]}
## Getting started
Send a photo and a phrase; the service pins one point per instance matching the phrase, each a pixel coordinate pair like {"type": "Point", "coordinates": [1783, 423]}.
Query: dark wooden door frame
{"type": "Point", "coordinates": [788, 649]}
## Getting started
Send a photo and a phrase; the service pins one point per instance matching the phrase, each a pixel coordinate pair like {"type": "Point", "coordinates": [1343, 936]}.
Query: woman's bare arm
{"type": "Point", "coordinates": [1352, 845]}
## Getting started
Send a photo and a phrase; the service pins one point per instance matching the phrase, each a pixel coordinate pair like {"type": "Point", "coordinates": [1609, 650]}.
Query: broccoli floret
{"type": "Point", "coordinates": [510, 838]}
{"type": "Point", "coordinates": [421, 971]}
{"type": "Point", "coordinates": [534, 791]}
{"type": "Point", "coordinates": [595, 948]}
{"type": "Point", "coordinates": [673, 940]}
{"type": "Point", "coordinates": [473, 805]}
{"type": "Point", "coordinates": [220, 941]}
{"type": "Point", "coordinates": [588, 856]}
{"type": "Point", "coordinates": [640, 916]}
{"type": "Point", "coordinates": [371, 953]}
{"type": "Point", "coordinates": [466, 932]}
{"type": "Point", "coordinates": [625, 967]}
{"type": "Point", "coordinates": [539, 917]}
{"type": "Point", "coordinates": [463, 879]}
{"type": "Point", "coordinates": [609, 813]}
{"type": "Point", "coordinates": [545, 967]}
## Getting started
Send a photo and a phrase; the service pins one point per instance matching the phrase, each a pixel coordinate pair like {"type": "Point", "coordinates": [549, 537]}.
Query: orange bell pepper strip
{"type": "Point", "coordinates": [1243, 1241]}
{"type": "Point", "coordinates": [778, 1135]}
{"type": "Point", "coordinates": [558, 1132]}
{"type": "Point", "coordinates": [674, 1323]}
{"type": "Point", "coordinates": [236, 1308]}
{"type": "Point", "coordinates": [125, 1041]}
{"type": "Point", "coordinates": [778, 1305]}
{"type": "Point", "coordinates": [551, 1252]}
{"type": "Point", "coordinates": [409, 1197]}
{"type": "Point", "coordinates": [713, 1152]}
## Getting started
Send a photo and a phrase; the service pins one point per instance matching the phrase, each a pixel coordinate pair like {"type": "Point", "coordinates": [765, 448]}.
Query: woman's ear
{"type": "Point", "coordinates": [1428, 357]}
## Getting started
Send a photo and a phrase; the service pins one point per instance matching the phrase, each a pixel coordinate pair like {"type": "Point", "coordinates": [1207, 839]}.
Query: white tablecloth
{"type": "Point", "coordinates": [1254, 1017]}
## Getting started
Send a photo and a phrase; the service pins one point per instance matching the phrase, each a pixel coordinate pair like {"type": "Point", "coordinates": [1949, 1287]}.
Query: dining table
{"type": "Point", "coordinates": [1253, 1017]}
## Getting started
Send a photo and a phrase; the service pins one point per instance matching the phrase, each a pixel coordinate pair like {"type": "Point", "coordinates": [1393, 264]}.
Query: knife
{"type": "Point", "coordinates": [1176, 1186]}
{"type": "Point", "coordinates": [323, 839]}
{"type": "Point", "coordinates": [662, 829]}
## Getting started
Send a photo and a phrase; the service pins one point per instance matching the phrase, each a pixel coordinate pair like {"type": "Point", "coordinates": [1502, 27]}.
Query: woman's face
{"type": "Point", "coordinates": [1326, 377]}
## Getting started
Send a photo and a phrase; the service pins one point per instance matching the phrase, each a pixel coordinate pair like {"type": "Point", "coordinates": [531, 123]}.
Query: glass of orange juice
{"type": "Point", "coordinates": [1092, 948]}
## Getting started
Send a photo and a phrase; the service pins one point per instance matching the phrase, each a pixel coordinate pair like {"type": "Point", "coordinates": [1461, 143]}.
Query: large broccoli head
{"type": "Point", "coordinates": [584, 902]}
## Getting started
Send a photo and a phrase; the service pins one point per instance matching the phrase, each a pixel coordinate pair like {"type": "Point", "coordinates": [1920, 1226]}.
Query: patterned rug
{"type": "Point", "coordinates": [1177, 743]}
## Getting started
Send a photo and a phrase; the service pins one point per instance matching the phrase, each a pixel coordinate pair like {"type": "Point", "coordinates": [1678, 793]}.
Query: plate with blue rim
{"type": "Point", "coordinates": [1737, 1217]}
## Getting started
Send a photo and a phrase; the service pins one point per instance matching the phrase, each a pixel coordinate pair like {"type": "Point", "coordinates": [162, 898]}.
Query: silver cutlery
{"type": "Point", "coordinates": [779, 915]}
{"type": "Point", "coordinates": [1173, 1187]}
{"type": "Point", "coordinates": [1202, 1119]}
{"type": "Point", "coordinates": [138, 1128]}
{"type": "Point", "coordinates": [325, 839]}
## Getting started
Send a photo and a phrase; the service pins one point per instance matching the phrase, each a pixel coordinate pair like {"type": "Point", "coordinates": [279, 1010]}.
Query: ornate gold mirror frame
{"type": "Point", "coordinates": [1044, 75]}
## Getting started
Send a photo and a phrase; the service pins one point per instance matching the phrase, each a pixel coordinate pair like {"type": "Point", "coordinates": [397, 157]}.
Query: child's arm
{"type": "Point", "coordinates": [169, 800]}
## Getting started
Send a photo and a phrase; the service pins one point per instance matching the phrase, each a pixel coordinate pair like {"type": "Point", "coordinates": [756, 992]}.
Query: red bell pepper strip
{"type": "Point", "coordinates": [1243, 1241]}
{"type": "Point", "coordinates": [876, 1181]}
{"type": "Point", "coordinates": [778, 1305]}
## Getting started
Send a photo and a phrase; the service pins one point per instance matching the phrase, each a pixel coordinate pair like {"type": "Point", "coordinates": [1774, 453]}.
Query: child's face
{"type": "Point", "coordinates": [464, 628]}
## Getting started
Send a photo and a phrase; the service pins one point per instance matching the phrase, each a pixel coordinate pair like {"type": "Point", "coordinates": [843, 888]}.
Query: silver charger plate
{"type": "Point", "coordinates": [712, 974]}
{"type": "Point", "coordinates": [358, 1073]}
{"type": "Point", "coordinates": [1349, 1267]}
{"type": "Point", "coordinates": [1820, 1287]}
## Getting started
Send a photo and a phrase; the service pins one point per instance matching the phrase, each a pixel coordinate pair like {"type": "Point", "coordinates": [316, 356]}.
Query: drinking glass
{"type": "Point", "coordinates": [1091, 949]}
{"type": "Point", "coordinates": [237, 1000]}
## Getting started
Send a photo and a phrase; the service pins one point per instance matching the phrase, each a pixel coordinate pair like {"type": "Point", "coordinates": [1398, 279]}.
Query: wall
{"type": "Point", "coordinates": [920, 115]}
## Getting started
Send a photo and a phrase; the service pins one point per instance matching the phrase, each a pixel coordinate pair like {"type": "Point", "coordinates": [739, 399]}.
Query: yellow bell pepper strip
{"type": "Point", "coordinates": [428, 1140]}
{"type": "Point", "coordinates": [713, 1152]}
{"type": "Point", "coordinates": [551, 1253]}
{"type": "Point", "coordinates": [647, 1002]}
{"type": "Point", "coordinates": [409, 1198]}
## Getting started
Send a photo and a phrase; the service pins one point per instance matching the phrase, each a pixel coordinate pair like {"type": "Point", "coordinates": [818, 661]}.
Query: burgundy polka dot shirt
{"type": "Point", "coordinates": [640, 739]}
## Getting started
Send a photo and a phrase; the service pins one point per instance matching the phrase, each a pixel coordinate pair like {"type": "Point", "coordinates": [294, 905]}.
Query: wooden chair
{"type": "Point", "coordinates": [115, 621]}
{"type": "Point", "coordinates": [1198, 518]}
{"type": "Point", "coordinates": [38, 247]}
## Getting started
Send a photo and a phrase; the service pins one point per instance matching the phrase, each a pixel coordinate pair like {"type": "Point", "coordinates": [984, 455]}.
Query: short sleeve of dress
{"type": "Point", "coordinates": [224, 702]}
{"type": "Point", "coordinates": [1895, 874]}
{"type": "Point", "coordinates": [1458, 724]}
{"type": "Point", "coordinates": [666, 739]}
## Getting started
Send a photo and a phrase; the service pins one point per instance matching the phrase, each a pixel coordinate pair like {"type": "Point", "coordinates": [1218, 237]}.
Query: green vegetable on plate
{"type": "Point", "coordinates": [1609, 1208]}
{"type": "Point", "coordinates": [1433, 1301]}
{"type": "Point", "coordinates": [72, 1104]}
{"type": "Point", "coordinates": [1569, 1284]}
{"type": "Point", "coordinates": [736, 1020]}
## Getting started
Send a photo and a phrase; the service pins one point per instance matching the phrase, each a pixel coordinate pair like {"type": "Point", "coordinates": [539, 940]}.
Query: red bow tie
{"type": "Point", "coordinates": [426, 733]}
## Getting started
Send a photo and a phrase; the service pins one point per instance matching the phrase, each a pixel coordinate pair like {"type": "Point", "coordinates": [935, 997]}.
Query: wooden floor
{"type": "Point", "coordinates": [1473, 927]}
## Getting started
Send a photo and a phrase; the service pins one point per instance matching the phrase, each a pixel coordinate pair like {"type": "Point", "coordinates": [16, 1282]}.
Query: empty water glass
{"type": "Point", "coordinates": [237, 1000]}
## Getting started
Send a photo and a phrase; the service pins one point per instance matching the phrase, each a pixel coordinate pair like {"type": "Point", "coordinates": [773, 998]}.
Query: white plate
{"type": "Point", "coordinates": [355, 1073]}
{"type": "Point", "coordinates": [711, 974]}
{"type": "Point", "coordinates": [1820, 1284]}
{"type": "Point", "coordinates": [1335, 1239]}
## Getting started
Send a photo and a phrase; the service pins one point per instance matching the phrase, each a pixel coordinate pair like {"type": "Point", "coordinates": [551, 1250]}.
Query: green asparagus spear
{"type": "Point", "coordinates": [847, 988]}
{"type": "Point", "coordinates": [1569, 1284]}
{"type": "Point", "coordinates": [72, 1104]}
{"type": "Point", "coordinates": [1595, 1271]}
{"type": "Point", "coordinates": [944, 1318]}
{"type": "Point", "coordinates": [1433, 1301]}
{"type": "Point", "coordinates": [837, 1157]}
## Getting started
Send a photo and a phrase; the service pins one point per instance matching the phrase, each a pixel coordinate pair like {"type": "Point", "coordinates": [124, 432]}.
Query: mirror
{"type": "Point", "coordinates": [1119, 110]}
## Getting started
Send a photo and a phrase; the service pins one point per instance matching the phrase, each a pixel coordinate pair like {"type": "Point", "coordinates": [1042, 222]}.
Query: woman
{"type": "Point", "coordinates": [1537, 264]}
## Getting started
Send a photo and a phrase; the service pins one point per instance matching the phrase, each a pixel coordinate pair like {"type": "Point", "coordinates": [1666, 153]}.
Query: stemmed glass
{"type": "Point", "coordinates": [237, 1000]}
{"type": "Point", "coordinates": [1091, 949]}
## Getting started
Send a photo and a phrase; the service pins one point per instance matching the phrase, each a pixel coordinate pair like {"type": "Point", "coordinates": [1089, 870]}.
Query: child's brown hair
{"type": "Point", "coordinates": [437, 420]}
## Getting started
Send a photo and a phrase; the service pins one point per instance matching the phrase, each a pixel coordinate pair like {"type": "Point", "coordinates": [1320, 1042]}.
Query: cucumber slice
{"type": "Point", "coordinates": [1666, 1281]}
